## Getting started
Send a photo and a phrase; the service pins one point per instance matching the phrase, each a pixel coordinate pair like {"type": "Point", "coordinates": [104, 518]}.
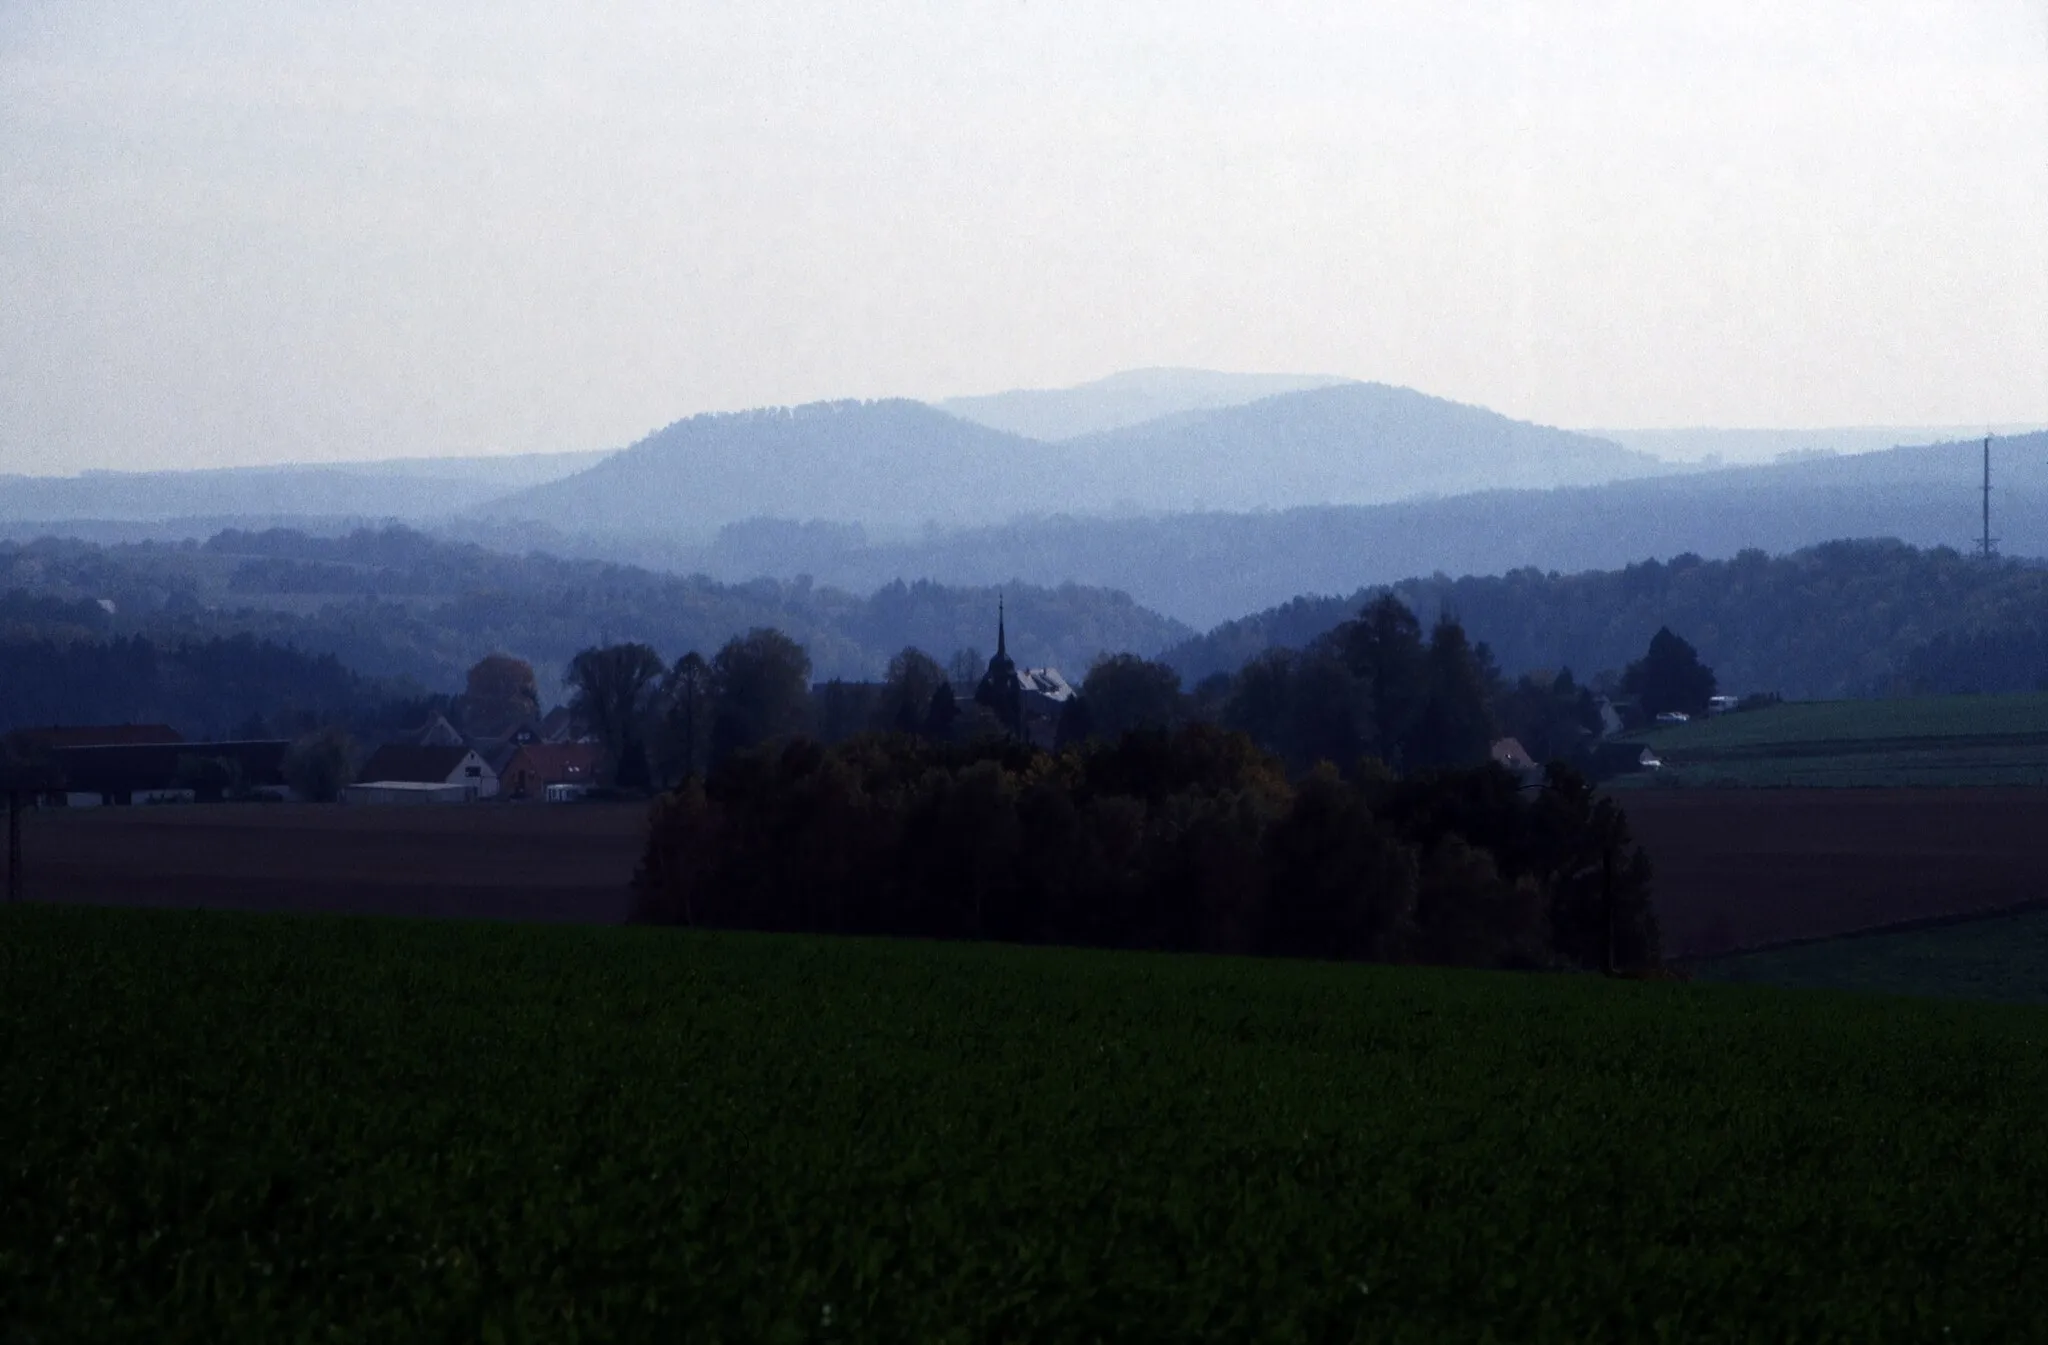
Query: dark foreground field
{"type": "Point", "coordinates": [503, 861]}
{"type": "Point", "coordinates": [1999, 958]}
{"type": "Point", "coordinates": [221, 1127]}
{"type": "Point", "coordinates": [1734, 868]}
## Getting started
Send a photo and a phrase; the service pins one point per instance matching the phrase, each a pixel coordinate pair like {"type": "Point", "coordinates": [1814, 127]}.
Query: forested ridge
{"type": "Point", "coordinates": [1847, 618]}
{"type": "Point", "coordinates": [395, 603]}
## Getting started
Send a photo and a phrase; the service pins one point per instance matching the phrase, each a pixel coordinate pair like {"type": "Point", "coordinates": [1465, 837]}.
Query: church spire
{"type": "Point", "coordinates": [1001, 651]}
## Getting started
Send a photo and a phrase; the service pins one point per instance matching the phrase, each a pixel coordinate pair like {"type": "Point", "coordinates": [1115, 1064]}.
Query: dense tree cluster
{"type": "Point", "coordinates": [1190, 838]}
{"type": "Point", "coordinates": [1370, 686]}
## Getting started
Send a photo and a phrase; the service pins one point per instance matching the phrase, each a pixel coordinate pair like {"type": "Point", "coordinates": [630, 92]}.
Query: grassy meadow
{"type": "Point", "coordinates": [219, 1127]}
{"type": "Point", "coordinates": [2002, 959]}
{"type": "Point", "coordinates": [1923, 741]}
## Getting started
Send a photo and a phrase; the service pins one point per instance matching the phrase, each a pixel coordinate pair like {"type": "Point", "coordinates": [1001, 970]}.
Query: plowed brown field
{"type": "Point", "coordinates": [1743, 868]}
{"type": "Point", "coordinates": [1735, 868]}
{"type": "Point", "coordinates": [496, 861]}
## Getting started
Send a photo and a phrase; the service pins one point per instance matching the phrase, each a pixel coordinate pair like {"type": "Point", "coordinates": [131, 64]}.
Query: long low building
{"type": "Point", "coordinates": [132, 773]}
{"type": "Point", "coordinates": [406, 792]}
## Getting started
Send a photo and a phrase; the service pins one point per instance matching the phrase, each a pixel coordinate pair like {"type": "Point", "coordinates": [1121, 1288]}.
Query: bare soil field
{"type": "Point", "coordinates": [490, 861]}
{"type": "Point", "coordinates": [1735, 868]}
{"type": "Point", "coordinates": [1748, 868]}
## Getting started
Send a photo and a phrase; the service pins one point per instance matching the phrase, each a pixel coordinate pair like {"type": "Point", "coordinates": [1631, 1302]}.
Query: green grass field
{"type": "Point", "coordinates": [234, 1128]}
{"type": "Point", "coordinates": [1926, 741]}
{"type": "Point", "coordinates": [1999, 958]}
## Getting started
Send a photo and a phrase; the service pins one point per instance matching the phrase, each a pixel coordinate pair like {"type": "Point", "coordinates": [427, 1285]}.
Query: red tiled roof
{"type": "Point", "coordinates": [554, 764]}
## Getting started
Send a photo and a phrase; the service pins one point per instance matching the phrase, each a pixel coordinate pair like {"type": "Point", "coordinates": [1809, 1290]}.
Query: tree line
{"type": "Point", "coordinates": [1191, 839]}
{"type": "Point", "coordinates": [223, 687]}
{"type": "Point", "coordinates": [1373, 689]}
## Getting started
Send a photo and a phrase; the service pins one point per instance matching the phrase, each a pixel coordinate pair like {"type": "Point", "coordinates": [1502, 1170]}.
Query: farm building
{"type": "Point", "coordinates": [97, 735]}
{"type": "Point", "coordinates": [167, 772]}
{"type": "Point", "coordinates": [537, 769]}
{"type": "Point", "coordinates": [407, 764]}
{"type": "Point", "coordinates": [406, 792]}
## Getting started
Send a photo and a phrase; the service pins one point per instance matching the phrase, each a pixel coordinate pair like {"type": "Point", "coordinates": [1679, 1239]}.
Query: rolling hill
{"type": "Point", "coordinates": [404, 488]}
{"type": "Point", "coordinates": [1355, 443]}
{"type": "Point", "coordinates": [901, 466]}
{"type": "Point", "coordinates": [1123, 399]}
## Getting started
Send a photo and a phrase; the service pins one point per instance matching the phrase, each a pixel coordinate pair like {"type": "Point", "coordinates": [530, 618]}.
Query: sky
{"type": "Point", "coordinates": [262, 232]}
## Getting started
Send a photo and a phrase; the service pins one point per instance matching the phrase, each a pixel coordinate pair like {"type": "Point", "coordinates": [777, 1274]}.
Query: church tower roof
{"type": "Point", "coordinates": [998, 688]}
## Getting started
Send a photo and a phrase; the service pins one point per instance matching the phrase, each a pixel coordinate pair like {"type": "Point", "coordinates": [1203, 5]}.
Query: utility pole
{"type": "Point", "coordinates": [1989, 542]}
{"type": "Point", "coordinates": [13, 845]}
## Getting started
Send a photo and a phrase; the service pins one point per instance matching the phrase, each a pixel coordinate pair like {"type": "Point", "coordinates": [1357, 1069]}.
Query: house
{"type": "Point", "coordinates": [1041, 695]}
{"type": "Point", "coordinates": [549, 770]}
{"type": "Point", "coordinates": [1509, 754]}
{"type": "Point", "coordinates": [407, 763]}
{"type": "Point", "coordinates": [174, 772]}
{"type": "Point", "coordinates": [438, 732]}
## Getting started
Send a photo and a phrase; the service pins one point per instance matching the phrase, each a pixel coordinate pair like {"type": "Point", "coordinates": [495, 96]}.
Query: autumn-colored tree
{"type": "Point", "coordinates": [500, 694]}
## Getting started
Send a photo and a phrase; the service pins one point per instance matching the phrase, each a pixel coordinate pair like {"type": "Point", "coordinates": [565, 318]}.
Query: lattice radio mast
{"type": "Point", "coordinates": [1987, 545]}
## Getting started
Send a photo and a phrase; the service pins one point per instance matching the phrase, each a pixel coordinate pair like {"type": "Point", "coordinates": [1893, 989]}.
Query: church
{"type": "Point", "coordinates": [1026, 701]}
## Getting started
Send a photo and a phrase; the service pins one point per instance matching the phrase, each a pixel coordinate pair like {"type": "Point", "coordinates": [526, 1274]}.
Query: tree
{"type": "Point", "coordinates": [1384, 649]}
{"type": "Point", "coordinates": [319, 765]}
{"type": "Point", "coordinates": [1552, 717]}
{"type": "Point", "coordinates": [500, 694]}
{"type": "Point", "coordinates": [943, 715]}
{"type": "Point", "coordinates": [1126, 692]}
{"type": "Point", "coordinates": [1669, 676]}
{"type": "Point", "coordinates": [907, 690]}
{"type": "Point", "coordinates": [1455, 728]}
{"type": "Point", "coordinates": [682, 739]}
{"type": "Point", "coordinates": [611, 690]}
{"type": "Point", "coordinates": [761, 688]}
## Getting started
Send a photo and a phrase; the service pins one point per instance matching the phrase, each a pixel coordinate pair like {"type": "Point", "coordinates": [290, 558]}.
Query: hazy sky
{"type": "Point", "coordinates": [257, 232]}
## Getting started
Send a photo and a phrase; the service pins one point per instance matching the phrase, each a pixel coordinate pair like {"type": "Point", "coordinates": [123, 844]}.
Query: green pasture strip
{"type": "Point", "coordinates": [1802, 722]}
{"type": "Point", "coordinates": [220, 1127]}
{"type": "Point", "coordinates": [1933, 768]}
{"type": "Point", "coordinates": [1999, 958]}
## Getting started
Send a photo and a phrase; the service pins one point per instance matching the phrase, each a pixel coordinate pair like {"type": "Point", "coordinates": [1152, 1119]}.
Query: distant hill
{"type": "Point", "coordinates": [1355, 443]}
{"type": "Point", "coordinates": [1203, 568]}
{"type": "Point", "coordinates": [1119, 400]}
{"type": "Point", "coordinates": [1747, 447]}
{"type": "Point", "coordinates": [899, 466]}
{"type": "Point", "coordinates": [887, 463]}
{"type": "Point", "coordinates": [402, 488]}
